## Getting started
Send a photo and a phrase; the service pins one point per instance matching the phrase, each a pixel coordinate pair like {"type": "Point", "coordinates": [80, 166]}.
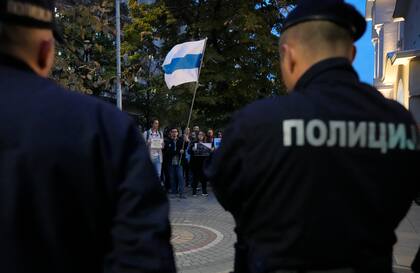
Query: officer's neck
{"type": "Point", "coordinates": [304, 65]}
{"type": "Point", "coordinates": [14, 61]}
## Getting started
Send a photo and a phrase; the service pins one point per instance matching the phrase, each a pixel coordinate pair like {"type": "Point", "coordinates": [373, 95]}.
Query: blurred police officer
{"type": "Point", "coordinates": [317, 181]}
{"type": "Point", "coordinates": [78, 192]}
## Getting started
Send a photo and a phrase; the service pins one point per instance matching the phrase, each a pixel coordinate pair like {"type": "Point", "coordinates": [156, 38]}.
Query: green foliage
{"type": "Point", "coordinates": [240, 64]}
{"type": "Point", "coordinates": [86, 28]}
{"type": "Point", "coordinates": [241, 59]}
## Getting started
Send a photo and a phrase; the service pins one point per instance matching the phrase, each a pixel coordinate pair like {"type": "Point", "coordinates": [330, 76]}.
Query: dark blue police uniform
{"type": "Point", "coordinates": [321, 178]}
{"type": "Point", "coordinates": [78, 192]}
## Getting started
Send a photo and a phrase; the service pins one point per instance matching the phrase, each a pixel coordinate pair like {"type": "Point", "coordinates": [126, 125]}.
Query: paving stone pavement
{"type": "Point", "coordinates": [408, 234]}
{"type": "Point", "coordinates": [203, 236]}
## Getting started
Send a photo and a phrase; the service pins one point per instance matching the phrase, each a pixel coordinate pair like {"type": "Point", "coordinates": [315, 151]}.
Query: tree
{"type": "Point", "coordinates": [241, 60]}
{"type": "Point", "coordinates": [86, 62]}
{"type": "Point", "coordinates": [240, 65]}
{"type": "Point", "coordinates": [142, 45]}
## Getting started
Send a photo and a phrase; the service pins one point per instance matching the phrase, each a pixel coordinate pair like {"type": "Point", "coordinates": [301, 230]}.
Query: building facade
{"type": "Point", "coordinates": [396, 39]}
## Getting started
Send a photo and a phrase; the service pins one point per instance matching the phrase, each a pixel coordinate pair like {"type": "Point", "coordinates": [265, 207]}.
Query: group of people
{"type": "Point", "coordinates": [317, 181]}
{"type": "Point", "coordinates": [179, 156]}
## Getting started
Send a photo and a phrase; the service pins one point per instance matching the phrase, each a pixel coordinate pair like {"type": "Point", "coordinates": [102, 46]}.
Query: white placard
{"type": "Point", "coordinates": [208, 145]}
{"type": "Point", "coordinates": [156, 144]}
{"type": "Point", "coordinates": [217, 142]}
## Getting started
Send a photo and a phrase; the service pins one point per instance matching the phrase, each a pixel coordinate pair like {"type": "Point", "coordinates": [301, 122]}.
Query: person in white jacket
{"type": "Point", "coordinates": [155, 143]}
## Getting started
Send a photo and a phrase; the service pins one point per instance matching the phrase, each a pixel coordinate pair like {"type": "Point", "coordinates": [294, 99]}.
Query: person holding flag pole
{"type": "Point", "coordinates": [182, 65]}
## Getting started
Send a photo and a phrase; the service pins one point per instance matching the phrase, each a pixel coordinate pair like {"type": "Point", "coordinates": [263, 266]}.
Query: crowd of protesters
{"type": "Point", "coordinates": [179, 156]}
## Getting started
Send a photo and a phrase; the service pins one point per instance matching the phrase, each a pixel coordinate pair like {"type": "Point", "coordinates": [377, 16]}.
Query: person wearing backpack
{"type": "Point", "coordinates": [155, 143]}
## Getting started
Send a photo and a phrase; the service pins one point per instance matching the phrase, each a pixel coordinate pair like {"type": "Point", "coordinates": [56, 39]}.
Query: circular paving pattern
{"type": "Point", "coordinates": [203, 235]}
{"type": "Point", "coordinates": [190, 238]}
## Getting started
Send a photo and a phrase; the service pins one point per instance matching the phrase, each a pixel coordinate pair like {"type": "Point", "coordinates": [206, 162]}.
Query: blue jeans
{"type": "Point", "coordinates": [177, 179]}
{"type": "Point", "coordinates": [158, 166]}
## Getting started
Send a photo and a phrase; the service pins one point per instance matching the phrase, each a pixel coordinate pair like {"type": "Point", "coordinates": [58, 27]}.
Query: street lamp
{"type": "Point", "coordinates": [87, 51]}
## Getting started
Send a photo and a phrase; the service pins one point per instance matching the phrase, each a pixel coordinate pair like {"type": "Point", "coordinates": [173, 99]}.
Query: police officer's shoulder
{"type": "Point", "coordinates": [275, 106]}
{"type": "Point", "coordinates": [401, 113]}
{"type": "Point", "coordinates": [264, 113]}
{"type": "Point", "coordinates": [393, 107]}
{"type": "Point", "coordinates": [83, 109]}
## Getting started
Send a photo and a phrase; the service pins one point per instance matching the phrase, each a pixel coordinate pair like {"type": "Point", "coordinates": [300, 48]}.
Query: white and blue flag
{"type": "Point", "coordinates": [182, 64]}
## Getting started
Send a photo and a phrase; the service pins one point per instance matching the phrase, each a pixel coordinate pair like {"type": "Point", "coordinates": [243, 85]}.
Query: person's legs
{"type": "Point", "coordinates": [157, 165]}
{"type": "Point", "coordinates": [173, 178]}
{"type": "Point", "coordinates": [187, 173]}
{"type": "Point", "coordinates": [181, 184]}
{"type": "Point", "coordinates": [203, 182]}
{"type": "Point", "coordinates": [195, 179]}
{"type": "Point", "coordinates": [166, 174]}
{"type": "Point", "coordinates": [202, 177]}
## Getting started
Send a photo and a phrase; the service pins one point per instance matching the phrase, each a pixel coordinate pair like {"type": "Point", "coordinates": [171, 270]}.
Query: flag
{"type": "Point", "coordinates": [182, 64]}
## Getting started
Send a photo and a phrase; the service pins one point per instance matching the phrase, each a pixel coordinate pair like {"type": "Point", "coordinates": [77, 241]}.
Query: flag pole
{"type": "Point", "coordinates": [194, 96]}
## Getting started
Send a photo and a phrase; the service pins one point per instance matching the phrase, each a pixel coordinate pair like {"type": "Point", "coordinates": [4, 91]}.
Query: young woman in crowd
{"type": "Point", "coordinates": [199, 153]}
{"type": "Point", "coordinates": [186, 163]}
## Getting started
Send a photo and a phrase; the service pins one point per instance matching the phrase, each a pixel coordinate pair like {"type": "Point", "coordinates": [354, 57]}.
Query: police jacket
{"type": "Point", "coordinates": [320, 178]}
{"type": "Point", "coordinates": [78, 192]}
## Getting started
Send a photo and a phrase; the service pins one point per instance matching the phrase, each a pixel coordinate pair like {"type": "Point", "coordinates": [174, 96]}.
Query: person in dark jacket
{"type": "Point", "coordinates": [78, 192]}
{"type": "Point", "coordinates": [166, 161]}
{"type": "Point", "coordinates": [186, 136]}
{"type": "Point", "coordinates": [318, 180]}
{"type": "Point", "coordinates": [175, 151]}
{"type": "Point", "coordinates": [210, 136]}
{"type": "Point", "coordinates": [199, 153]}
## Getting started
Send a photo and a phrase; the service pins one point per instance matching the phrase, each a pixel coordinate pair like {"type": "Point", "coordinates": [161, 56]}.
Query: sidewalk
{"type": "Point", "coordinates": [203, 236]}
{"type": "Point", "coordinates": [408, 240]}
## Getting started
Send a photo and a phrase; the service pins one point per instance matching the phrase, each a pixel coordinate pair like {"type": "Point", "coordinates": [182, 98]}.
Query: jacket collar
{"type": "Point", "coordinates": [319, 72]}
{"type": "Point", "coordinates": [11, 61]}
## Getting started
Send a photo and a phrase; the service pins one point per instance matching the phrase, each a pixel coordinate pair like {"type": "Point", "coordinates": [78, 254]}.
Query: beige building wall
{"type": "Point", "coordinates": [396, 39]}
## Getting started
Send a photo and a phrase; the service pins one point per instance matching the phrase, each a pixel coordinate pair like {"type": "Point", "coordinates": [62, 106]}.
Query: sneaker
{"type": "Point", "coordinates": [205, 194]}
{"type": "Point", "coordinates": [182, 197]}
{"type": "Point", "coordinates": [194, 195]}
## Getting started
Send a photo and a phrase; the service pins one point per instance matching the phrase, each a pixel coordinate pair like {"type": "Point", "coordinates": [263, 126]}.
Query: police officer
{"type": "Point", "coordinates": [78, 192]}
{"type": "Point", "coordinates": [325, 189]}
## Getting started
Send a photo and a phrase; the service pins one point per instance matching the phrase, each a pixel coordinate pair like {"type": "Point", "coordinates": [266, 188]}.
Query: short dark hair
{"type": "Point", "coordinates": [11, 36]}
{"type": "Point", "coordinates": [318, 36]}
{"type": "Point", "coordinates": [3, 37]}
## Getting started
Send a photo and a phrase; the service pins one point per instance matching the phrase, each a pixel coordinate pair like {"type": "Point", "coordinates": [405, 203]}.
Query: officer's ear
{"type": "Point", "coordinates": [288, 58]}
{"type": "Point", "coordinates": [353, 53]}
{"type": "Point", "coordinates": [45, 57]}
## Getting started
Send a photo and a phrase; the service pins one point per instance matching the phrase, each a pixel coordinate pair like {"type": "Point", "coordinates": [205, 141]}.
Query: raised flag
{"type": "Point", "coordinates": [183, 62]}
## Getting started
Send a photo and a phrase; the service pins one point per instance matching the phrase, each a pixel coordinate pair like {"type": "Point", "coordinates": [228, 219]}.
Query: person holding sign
{"type": "Point", "coordinates": [199, 152]}
{"type": "Point", "coordinates": [218, 140]}
{"type": "Point", "coordinates": [175, 152]}
{"type": "Point", "coordinates": [155, 143]}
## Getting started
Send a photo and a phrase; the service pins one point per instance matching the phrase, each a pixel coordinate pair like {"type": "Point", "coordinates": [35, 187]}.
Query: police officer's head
{"type": "Point", "coordinates": [315, 31]}
{"type": "Point", "coordinates": [26, 32]}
